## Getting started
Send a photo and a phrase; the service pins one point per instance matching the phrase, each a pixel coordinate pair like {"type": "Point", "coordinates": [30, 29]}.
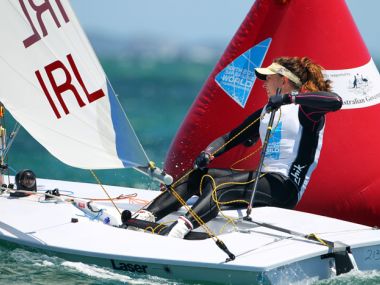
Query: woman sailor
{"type": "Point", "coordinates": [292, 154]}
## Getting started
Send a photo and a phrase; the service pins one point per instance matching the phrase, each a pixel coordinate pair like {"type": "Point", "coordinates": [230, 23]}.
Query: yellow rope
{"type": "Point", "coordinates": [214, 196]}
{"type": "Point", "coordinates": [222, 146]}
{"type": "Point", "coordinates": [215, 187]}
{"type": "Point", "coordinates": [194, 215]}
{"type": "Point", "coordinates": [314, 236]}
{"type": "Point", "coordinates": [256, 150]}
{"type": "Point", "coordinates": [238, 134]}
{"type": "Point", "coordinates": [105, 191]}
{"type": "Point", "coordinates": [244, 158]}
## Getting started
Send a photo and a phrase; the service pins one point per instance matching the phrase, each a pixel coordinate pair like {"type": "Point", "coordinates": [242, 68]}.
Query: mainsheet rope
{"type": "Point", "coordinates": [188, 208]}
{"type": "Point", "coordinates": [104, 190]}
{"type": "Point", "coordinates": [198, 219]}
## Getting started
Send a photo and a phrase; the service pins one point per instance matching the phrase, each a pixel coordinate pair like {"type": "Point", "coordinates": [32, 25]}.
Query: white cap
{"type": "Point", "coordinates": [276, 68]}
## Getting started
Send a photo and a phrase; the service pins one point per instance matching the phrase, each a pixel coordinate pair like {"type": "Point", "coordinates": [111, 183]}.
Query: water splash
{"type": "Point", "coordinates": [20, 266]}
{"type": "Point", "coordinates": [354, 278]}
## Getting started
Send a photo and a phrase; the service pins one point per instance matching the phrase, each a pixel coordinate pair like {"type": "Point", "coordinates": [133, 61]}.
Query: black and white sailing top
{"type": "Point", "coordinates": [296, 140]}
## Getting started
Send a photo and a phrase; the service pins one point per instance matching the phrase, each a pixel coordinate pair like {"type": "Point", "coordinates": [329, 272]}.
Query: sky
{"type": "Point", "coordinates": [196, 20]}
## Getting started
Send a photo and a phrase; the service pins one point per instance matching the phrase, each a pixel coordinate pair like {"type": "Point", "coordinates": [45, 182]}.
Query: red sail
{"type": "Point", "coordinates": [345, 183]}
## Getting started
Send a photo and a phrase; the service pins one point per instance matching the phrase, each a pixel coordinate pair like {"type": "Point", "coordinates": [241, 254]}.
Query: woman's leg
{"type": "Point", "coordinates": [237, 187]}
{"type": "Point", "coordinates": [221, 187]}
{"type": "Point", "coordinates": [166, 203]}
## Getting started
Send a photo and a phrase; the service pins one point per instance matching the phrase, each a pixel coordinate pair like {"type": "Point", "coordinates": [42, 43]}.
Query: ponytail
{"type": "Point", "coordinates": [315, 80]}
{"type": "Point", "coordinates": [309, 73]}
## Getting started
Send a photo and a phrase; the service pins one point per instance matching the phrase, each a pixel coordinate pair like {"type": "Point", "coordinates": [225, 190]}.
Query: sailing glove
{"type": "Point", "coordinates": [202, 160]}
{"type": "Point", "coordinates": [276, 101]}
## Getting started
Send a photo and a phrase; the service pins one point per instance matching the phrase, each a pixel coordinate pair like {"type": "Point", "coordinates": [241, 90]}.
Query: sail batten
{"type": "Point", "coordinates": [55, 87]}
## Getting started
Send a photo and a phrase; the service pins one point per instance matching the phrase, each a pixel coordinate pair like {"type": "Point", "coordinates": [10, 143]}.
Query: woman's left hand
{"type": "Point", "coordinates": [276, 101]}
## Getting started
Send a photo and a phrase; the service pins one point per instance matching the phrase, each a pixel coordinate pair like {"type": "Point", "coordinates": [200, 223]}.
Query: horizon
{"type": "Point", "coordinates": [183, 23]}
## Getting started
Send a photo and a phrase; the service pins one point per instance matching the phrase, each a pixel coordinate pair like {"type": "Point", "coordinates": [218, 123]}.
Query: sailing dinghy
{"type": "Point", "coordinates": [55, 87]}
{"type": "Point", "coordinates": [282, 247]}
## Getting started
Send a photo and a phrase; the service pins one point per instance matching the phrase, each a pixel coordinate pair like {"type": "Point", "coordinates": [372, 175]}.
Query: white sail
{"type": "Point", "coordinates": [54, 86]}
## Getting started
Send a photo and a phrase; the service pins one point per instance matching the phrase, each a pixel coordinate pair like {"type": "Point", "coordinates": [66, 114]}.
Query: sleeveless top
{"type": "Point", "coordinates": [296, 140]}
{"type": "Point", "coordinates": [294, 145]}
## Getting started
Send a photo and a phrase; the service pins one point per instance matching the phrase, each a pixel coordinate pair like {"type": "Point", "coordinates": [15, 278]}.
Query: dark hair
{"type": "Point", "coordinates": [308, 72]}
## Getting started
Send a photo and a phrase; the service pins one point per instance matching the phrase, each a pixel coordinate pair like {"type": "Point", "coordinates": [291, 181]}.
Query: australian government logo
{"type": "Point", "coordinates": [238, 77]}
{"type": "Point", "coordinates": [359, 87]}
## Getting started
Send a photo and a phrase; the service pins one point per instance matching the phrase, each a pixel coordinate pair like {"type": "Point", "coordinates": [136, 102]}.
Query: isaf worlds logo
{"type": "Point", "coordinates": [238, 78]}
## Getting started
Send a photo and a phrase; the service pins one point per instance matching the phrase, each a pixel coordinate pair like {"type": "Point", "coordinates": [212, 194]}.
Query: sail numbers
{"type": "Point", "coordinates": [58, 67]}
{"type": "Point", "coordinates": [38, 10]}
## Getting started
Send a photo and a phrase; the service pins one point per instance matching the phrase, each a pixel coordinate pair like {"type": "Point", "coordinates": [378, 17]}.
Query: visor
{"type": "Point", "coordinates": [276, 68]}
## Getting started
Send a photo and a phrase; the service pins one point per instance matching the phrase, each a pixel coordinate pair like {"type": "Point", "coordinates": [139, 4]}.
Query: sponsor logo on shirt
{"type": "Point", "coordinates": [273, 148]}
{"type": "Point", "coordinates": [297, 173]}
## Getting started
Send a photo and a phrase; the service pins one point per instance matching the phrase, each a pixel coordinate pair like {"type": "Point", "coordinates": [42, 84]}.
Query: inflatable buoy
{"type": "Point", "coordinates": [347, 181]}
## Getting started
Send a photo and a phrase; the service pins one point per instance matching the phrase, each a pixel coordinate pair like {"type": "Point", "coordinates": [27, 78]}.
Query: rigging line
{"type": "Point", "coordinates": [171, 190]}
{"type": "Point", "coordinates": [159, 227]}
{"type": "Point", "coordinates": [70, 197]}
{"type": "Point", "coordinates": [222, 146]}
{"type": "Point", "coordinates": [244, 158]}
{"type": "Point", "coordinates": [179, 198]}
{"type": "Point", "coordinates": [218, 203]}
{"type": "Point", "coordinates": [229, 141]}
{"type": "Point", "coordinates": [348, 231]}
{"type": "Point", "coordinates": [12, 137]}
{"type": "Point", "coordinates": [217, 241]}
{"type": "Point", "coordinates": [214, 237]}
{"type": "Point", "coordinates": [214, 197]}
{"type": "Point", "coordinates": [238, 134]}
{"type": "Point", "coordinates": [311, 236]}
{"type": "Point", "coordinates": [193, 214]}
{"type": "Point", "coordinates": [198, 219]}
{"type": "Point", "coordinates": [105, 191]}
{"type": "Point", "coordinates": [83, 37]}
{"type": "Point", "coordinates": [215, 187]}
{"type": "Point", "coordinates": [263, 245]}
{"type": "Point", "coordinates": [259, 148]}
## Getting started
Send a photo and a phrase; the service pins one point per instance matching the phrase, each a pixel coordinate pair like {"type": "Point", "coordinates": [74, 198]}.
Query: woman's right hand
{"type": "Point", "coordinates": [203, 160]}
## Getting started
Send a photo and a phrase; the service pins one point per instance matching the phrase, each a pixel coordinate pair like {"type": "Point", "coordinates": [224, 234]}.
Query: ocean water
{"type": "Point", "coordinates": [156, 95]}
{"type": "Point", "coordinates": [20, 266]}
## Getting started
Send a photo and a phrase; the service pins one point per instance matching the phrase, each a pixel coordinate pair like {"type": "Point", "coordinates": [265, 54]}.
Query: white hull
{"type": "Point", "coordinates": [262, 254]}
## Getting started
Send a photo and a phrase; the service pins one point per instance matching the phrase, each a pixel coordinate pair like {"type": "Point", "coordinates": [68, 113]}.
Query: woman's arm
{"type": "Point", "coordinates": [247, 132]}
{"type": "Point", "coordinates": [321, 101]}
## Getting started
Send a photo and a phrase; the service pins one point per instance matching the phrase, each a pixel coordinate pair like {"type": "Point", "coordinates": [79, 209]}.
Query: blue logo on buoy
{"type": "Point", "coordinates": [237, 78]}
